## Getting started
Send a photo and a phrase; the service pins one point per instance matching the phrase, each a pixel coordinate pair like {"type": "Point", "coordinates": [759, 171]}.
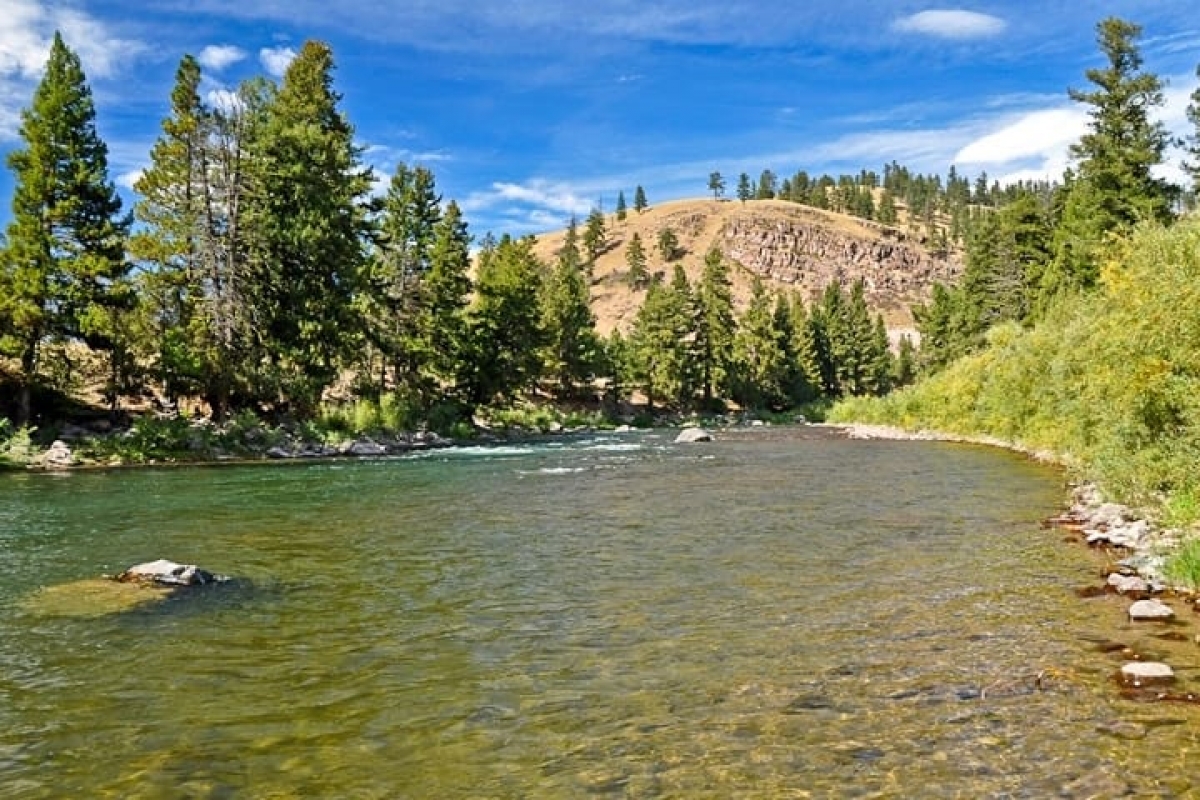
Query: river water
{"type": "Point", "coordinates": [782, 613]}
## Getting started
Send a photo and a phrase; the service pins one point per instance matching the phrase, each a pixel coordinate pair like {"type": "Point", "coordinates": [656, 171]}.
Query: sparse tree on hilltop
{"type": "Point", "coordinates": [639, 199]}
{"type": "Point", "coordinates": [635, 259]}
{"type": "Point", "coordinates": [716, 184]}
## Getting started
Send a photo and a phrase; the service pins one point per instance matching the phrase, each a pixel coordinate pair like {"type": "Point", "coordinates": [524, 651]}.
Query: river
{"type": "Point", "coordinates": [781, 613]}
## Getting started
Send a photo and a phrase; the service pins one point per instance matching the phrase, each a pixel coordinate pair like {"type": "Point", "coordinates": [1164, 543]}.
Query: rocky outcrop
{"type": "Point", "coordinates": [808, 252]}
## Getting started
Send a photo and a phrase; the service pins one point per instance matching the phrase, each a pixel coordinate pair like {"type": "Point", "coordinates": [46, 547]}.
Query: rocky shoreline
{"type": "Point", "coordinates": [1137, 551]}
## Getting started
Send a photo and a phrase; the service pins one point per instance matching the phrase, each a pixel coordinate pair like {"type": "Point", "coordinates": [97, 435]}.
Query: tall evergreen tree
{"type": "Point", "coordinates": [64, 273]}
{"type": "Point", "coordinates": [572, 347]}
{"type": "Point", "coordinates": [635, 259]}
{"type": "Point", "coordinates": [716, 327]}
{"type": "Point", "coordinates": [394, 299]}
{"type": "Point", "coordinates": [744, 190]}
{"type": "Point", "coordinates": [760, 354]}
{"type": "Point", "coordinates": [1115, 186]}
{"type": "Point", "coordinates": [595, 237]}
{"type": "Point", "coordinates": [622, 210]}
{"type": "Point", "coordinates": [447, 294]}
{"type": "Point", "coordinates": [661, 343]}
{"type": "Point", "coordinates": [309, 214]}
{"type": "Point", "coordinates": [1192, 143]}
{"type": "Point", "coordinates": [506, 327]}
{"type": "Point", "coordinates": [668, 244]}
{"type": "Point", "coordinates": [766, 188]}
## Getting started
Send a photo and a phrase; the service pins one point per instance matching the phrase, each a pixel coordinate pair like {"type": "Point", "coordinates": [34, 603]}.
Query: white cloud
{"type": "Point", "coordinates": [951, 24]}
{"type": "Point", "coordinates": [1035, 134]}
{"type": "Point", "coordinates": [128, 179]}
{"type": "Point", "coordinates": [223, 99]}
{"type": "Point", "coordinates": [217, 57]}
{"type": "Point", "coordinates": [536, 205]}
{"type": "Point", "coordinates": [26, 30]}
{"type": "Point", "coordinates": [275, 60]}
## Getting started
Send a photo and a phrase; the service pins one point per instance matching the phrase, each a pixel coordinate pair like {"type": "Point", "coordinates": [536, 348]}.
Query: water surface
{"type": "Point", "coordinates": [778, 614]}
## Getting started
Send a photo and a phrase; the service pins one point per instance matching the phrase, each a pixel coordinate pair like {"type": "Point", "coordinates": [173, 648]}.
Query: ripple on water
{"type": "Point", "coordinates": [780, 614]}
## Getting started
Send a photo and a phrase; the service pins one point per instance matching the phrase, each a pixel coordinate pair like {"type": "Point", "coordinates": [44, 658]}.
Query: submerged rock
{"type": "Point", "coordinates": [693, 435]}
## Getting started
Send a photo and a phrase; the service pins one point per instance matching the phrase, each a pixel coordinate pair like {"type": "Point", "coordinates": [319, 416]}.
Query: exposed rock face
{"type": "Point", "coordinates": [807, 252]}
{"type": "Point", "coordinates": [59, 456]}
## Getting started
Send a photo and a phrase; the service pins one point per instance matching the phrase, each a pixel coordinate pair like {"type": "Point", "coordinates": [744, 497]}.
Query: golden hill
{"type": "Point", "coordinates": [790, 246]}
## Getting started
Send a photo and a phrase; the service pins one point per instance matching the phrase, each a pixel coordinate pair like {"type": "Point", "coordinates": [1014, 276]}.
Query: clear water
{"type": "Point", "coordinates": [778, 614]}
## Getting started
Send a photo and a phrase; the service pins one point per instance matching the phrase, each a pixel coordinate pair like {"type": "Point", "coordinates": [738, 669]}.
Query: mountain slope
{"type": "Point", "coordinates": [790, 246]}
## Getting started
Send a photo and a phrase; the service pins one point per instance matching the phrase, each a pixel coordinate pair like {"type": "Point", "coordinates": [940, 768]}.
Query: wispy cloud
{"type": "Point", "coordinates": [218, 57]}
{"type": "Point", "coordinates": [275, 60]}
{"type": "Point", "coordinates": [952, 24]}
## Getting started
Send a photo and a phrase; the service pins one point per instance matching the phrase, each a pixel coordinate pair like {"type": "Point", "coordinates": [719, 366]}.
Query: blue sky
{"type": "Point", "coordinates": [529, 111]}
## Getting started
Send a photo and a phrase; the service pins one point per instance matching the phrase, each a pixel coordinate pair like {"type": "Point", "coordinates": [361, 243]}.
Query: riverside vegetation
{"type": "Point", "coordinates": [1075, 330]}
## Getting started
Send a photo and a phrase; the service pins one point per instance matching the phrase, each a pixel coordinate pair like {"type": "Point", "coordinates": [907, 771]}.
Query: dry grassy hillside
{"type": "Point", "coordinates": [790, 246]}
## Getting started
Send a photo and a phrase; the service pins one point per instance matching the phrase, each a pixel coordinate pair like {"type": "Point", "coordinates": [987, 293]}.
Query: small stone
{"type": "Point", "coordinates": [1140, 673]}
{"type": "Point", "coordinates": [279, 452]}
{"type": "Point", "coordinates": [1152, 610]}
{"type": "Point", "coordinates": [1127, 583]}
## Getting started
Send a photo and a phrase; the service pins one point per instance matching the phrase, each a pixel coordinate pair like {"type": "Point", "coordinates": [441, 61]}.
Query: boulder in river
{"type": "Point", "coordinates": [59, 456]}
{"type": "Point", "coordinates": [167, 573]}
{"type": "Point", "coordinates": [693, 435]}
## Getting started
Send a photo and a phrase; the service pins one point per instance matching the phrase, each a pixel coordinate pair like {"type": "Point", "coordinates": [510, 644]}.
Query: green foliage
{"type": "Point", "coordinates": [639, 200]}
{"type": "Point", "coordinates": [1110, 380]}
{"type": "Point", "coordinates": [1115, 186]}
{"type": "Point", "coordinates": [1183, 565]}
{"type": "Point", "coordinates": [16, 444]}
{"type": "Point", "coordinates": [716, 184]}
{"type": "Point", "coordinates": [622, 210]}
{"type": "Point", "coordinates": [635, 259]}
{"type": "Point", "coordinates": [668, 244]}
{"type": "Point", "coordinates": [595, 235]}
{"type": "Point", "coordinates": [63, 273]}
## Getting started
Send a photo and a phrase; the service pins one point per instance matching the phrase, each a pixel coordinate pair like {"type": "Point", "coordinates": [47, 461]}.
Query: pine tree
{"type": "Point", "coordinates": [447, 293]}
{"type": "Point", "coordinates": [507, 335]}
{"type": "Point", "coordinates": [716, 327]}
{"type": "Point", "coordinates": [661, 343]}
{"type": "Point", "coordinates": [1192, 143]}
{"type": "Point", "coordinates": [766, 186]}
{"type": "Point", "coordinates": [64, 273]}
{"type": "Point", "coordinates": [761, 366]}
{"type": "Point", "coordinates": [635, 259]}
{"type": "Point", "coordinates": [668, 244]}
{"type": "Point", "coordinates": [639, 200]}
{"type": "Point", "coordinates": [622, 211]}
{"type": "Point", "coordinates": [716, 185]}
{"type": "Point", "coordinates": [309, 219]}
{"type": "Point", "coordinates": [572, 349]}
{"type": "Point", "coordinates": [595, 237]}
{"type": "Point", "coordinates": [1115, 186]}
{"type": "Point", "coordinates": [744, 190]}
{"type": "Point", "coordinates": [395, 296]}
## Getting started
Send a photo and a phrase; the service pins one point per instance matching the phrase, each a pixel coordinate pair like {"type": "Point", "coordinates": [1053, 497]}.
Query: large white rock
{"type": "Point", "coordinates": [1150, 610]}
{"type": "Point", "coordinates": [168, 573]}
{"type": "Point", "coordinates": [1147, 672]}
{"type": "Point", "coordinates": [693, 435]}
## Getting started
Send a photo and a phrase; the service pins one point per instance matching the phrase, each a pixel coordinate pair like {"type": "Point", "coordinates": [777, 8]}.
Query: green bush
{"type": "Point", "coordinates": [1183, 565]}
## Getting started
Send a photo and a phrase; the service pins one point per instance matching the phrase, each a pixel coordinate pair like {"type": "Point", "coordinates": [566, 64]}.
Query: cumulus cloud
{"type": "Point", "coordinates": [217, 57]}
{"type": "Point", "coordinates": [275, 60]}
{"type": "Point", "coordinates": [951, 24]}
{"type": "Point", "coordinates": [26, 30]}
{"type": "Point", "coordinates": [531, 206]}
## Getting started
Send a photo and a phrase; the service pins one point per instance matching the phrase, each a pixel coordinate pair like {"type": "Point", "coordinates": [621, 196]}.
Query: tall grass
{"type": "Point", "coordinates": [1110, 380]}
